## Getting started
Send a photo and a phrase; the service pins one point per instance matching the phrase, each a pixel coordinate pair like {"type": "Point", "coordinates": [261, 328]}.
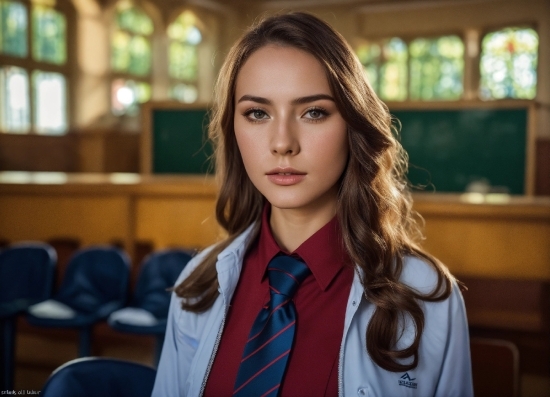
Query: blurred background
{"type": "Point", "coordinates": [103, 105]}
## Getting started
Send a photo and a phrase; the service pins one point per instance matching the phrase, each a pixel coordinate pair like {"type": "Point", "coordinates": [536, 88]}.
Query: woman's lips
{"type": "Point", "coordinates": [285, 176]}
{"type": "Point", "coordinates": [285, 179]}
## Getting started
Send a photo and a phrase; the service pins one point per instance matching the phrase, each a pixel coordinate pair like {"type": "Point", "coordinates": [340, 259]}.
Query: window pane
{"type": "Point", "coordinates": [140, 56]}
{"type": "Point", "coordinates": [13, 28]}
{"type": "Point", "coordinates": [14, 99]}
{"type": "Point", "coordinates": [133, 20]}
{"type": "Point", "coordinates": [182, 54]}
{"type": "Point", "coordinates": [184, 29]}
{"type": "Point", "coordinates": [120, 54]}
{"type": "Point", "coordinates": [393, 70]}
{"type": "Point", "coordinates": [183, 61]}
{"type": "Point", "coordinates": [386, 66]}
{"type": "Point", "coordinates": [130, 46]}
{"type": "Point", "coordinates": [50, 99]}
{"type": "Point", "coordinates": [49, 35]}
{"type": "Point", "coordinates": [508, 64]}
{"type": "Point", "coordinates": [126, 95]}
{"type": "Point", "coordinates": [369, 56]}
{"type": "Point", "coordinates": [436, 68]}
{"type": "Point", "coordinates": [184, 93]}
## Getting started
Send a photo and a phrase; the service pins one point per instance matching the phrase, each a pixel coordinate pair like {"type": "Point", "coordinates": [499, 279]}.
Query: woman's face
{"type": "Point", "coordinates": [292, 138]}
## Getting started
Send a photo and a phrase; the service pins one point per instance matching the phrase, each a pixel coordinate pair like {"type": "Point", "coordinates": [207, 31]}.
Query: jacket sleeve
{"type": "Point", "coordinates": [456, 371]}
{"type": "Point", "coordinates": [167, 382]}
{"type": "Point", "coordinates": [177, 350]}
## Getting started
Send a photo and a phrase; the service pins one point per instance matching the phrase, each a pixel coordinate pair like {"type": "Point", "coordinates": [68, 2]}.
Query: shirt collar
{"type": "Point", "coordinates": [323, 252]}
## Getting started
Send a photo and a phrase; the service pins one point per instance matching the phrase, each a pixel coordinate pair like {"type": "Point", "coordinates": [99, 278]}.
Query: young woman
{"type": "Point", "coordinates": [312, 194]}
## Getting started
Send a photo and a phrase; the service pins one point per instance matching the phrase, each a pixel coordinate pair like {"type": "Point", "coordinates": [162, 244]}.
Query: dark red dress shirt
{"type": "Point", "coordinates": [320, 304]}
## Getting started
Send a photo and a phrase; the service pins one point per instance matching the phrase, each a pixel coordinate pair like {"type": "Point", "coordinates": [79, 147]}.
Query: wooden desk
{"type": "Point", "coordinates": [502, 237]}
{"type": "Point", "coordinates": [102, 208]}
{"type": "Point", "coordinates": [485, 236]}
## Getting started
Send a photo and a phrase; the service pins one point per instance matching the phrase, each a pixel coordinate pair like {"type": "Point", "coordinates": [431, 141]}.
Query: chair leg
{"type": "Point", "coordinates": [158, 348]}
{"type": "Point", "coordinates": [85, 342]}
{"type": "Point", "coordinates": [8, 352]}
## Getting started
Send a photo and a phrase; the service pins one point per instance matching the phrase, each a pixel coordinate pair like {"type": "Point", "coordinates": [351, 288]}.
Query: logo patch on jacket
{"type": "Point", "coordinates": [407, 381]}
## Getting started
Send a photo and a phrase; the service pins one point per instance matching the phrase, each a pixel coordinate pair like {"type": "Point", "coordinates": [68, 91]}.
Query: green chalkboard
{"type": "Point", "coordinates": [178, 141]}
{"type": "Point", "coordinates": [448, 149]}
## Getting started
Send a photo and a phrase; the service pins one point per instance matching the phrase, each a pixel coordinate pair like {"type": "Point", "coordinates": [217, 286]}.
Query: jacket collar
{"type": "Point", "coordinates": [230, 263]}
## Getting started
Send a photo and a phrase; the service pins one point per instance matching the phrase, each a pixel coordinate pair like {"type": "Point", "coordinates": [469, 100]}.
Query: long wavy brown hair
{"type": "Point", "coordinates": [374, 203]}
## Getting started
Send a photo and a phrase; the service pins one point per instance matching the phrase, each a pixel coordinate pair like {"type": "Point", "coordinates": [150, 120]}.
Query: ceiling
{"type": "Point", "coordinates": [378, 4]}
{"type": "Point", "coordinates": [304, 3]}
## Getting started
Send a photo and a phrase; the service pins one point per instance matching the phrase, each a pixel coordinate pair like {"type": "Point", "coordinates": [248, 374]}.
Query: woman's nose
{"type": "Point", "coordinates": [284, 139]}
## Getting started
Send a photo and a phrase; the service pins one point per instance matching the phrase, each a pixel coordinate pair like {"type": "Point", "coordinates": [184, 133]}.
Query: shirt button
{"type": "Point", "coordinates": [355, 303]}
{"type": "Point", "coordinates": [362, 392]}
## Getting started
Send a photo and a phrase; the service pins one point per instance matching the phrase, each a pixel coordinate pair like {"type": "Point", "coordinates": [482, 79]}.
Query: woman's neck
{"type": "Point", "coordinates": [291, 227]}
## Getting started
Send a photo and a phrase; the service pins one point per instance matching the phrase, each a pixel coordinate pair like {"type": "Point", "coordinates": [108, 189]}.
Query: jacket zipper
{"type": "Point", "coordinates": [340, 365]}
{"type": "Point", "coordinates": [214, 351]}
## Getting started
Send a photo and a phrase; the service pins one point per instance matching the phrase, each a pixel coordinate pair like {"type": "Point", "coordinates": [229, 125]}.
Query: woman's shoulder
{"type": "Point", "coordinates": [237, 247]}
{"type": "Point", "coordinates": [193, 263]}
{"type": "Point", "coordinates": [420, 275]}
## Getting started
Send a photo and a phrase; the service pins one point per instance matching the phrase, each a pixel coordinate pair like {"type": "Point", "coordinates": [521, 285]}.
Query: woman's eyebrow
{"type": "Point", "coordinates": [257, 99]}
{"type": "Point", "coordinates": [297, 101]}
{"type": "Point", "coordinates": [311, 98]}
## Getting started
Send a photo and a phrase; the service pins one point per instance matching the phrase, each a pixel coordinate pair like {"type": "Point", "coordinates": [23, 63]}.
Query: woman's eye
{"type": "Point", "coordinates": [315, 114]}
{"type": "Point", "coordinates": [256, 114]}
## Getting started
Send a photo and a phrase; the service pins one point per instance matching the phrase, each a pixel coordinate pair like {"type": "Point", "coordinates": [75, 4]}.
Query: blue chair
{"type": "Point", "coordinates": [158, 273]}
{"type": "Point", "coordinates": [26, 277]}
{"type": "Point", "coordinates": [94, 286]}
{"type": "Point", "coordinates": [100, 377]}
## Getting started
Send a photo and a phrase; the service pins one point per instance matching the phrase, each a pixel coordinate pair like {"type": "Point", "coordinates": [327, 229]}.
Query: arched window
{"type": "Point", "coordinates": [385, 63]}
{"type": "Point", "coordinates": [33, 83]}
{"type": "Point", "coordinates": [436, 68]}
{"type": "Point", "coordinates": [508, 65]}
{"type": "Point", "coordinates": [423, 69]}
{"type": "Point", "coordinates": [131, 58]}
{"type": "Point", "coordinates": [183, 60]}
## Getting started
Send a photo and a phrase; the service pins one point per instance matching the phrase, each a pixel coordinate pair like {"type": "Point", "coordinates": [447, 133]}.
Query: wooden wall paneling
{"type": "Point", "coordinates": [88, 218]}
{"type": "Point", "coordinates": [38, 153]}
{"type": "Point", "coordinates": [122, 152]}
{"type": "Point", "coordinates": [542, 178]}
{"type": "Point", "coordinates": [176, 222]}
{"type": "Point", "coordinates": [507, 240]}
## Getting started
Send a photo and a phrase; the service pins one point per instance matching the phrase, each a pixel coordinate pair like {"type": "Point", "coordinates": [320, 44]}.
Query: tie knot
{"type": "Point", "coordinates": [285, 274]}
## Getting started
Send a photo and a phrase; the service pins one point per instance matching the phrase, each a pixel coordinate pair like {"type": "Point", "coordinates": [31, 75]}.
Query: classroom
{"type": "Point", "coordinates": [104, 111]}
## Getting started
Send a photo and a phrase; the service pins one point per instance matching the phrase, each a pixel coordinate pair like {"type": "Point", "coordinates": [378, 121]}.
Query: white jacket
{"type": "Point", "coordinates": [443, 367]}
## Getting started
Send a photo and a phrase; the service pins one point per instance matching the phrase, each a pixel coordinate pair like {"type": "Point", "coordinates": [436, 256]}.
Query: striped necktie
{"type": "Point", "coordinates": [268, 347]}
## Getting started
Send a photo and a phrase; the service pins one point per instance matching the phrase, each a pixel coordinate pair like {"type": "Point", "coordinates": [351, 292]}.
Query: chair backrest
{"type": "Point", "coordinates": [94, 277]}
{"type": "Point", "coordinates": [495, 367]}
{"type": "Point", "coordinates": [65, 248]}
{"type": "Point", "coordinates": [26, 272]}
{"type": "Point", "coordinates": [100, 376]}
{"type": "Point", "coordinates": [159, 272]}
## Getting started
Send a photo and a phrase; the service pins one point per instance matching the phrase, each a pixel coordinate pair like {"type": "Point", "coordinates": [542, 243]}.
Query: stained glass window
{"type": "Point", "coordinates": [30, 98]}
{"type": "Point", "coordinates": [183, 62]}
{"type": "Point", "coordinates": [131, 43]}
{"type": "Point", "coordinates": [436, 68]}
{"type": "Point", "coordinates": [13, 28]}
{"type": "Point", "coordinates": [14, 100]}
{"type": "Point", "coordinates": [385, 64]}
{"type": "Point", "coordinates": [508, 64]}
{"type": "Point", "coordinates": [49, 35]}
{"type": "Point", "coordinates": [126, 95]}
{"type": "Point", "coordinates": [184, 92]}
{"type": "Point", "coordinates": [50, 103]}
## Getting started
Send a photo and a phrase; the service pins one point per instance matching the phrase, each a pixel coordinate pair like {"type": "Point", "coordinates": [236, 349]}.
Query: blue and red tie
{"type": "Point", "coordinates": [268, 347]}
